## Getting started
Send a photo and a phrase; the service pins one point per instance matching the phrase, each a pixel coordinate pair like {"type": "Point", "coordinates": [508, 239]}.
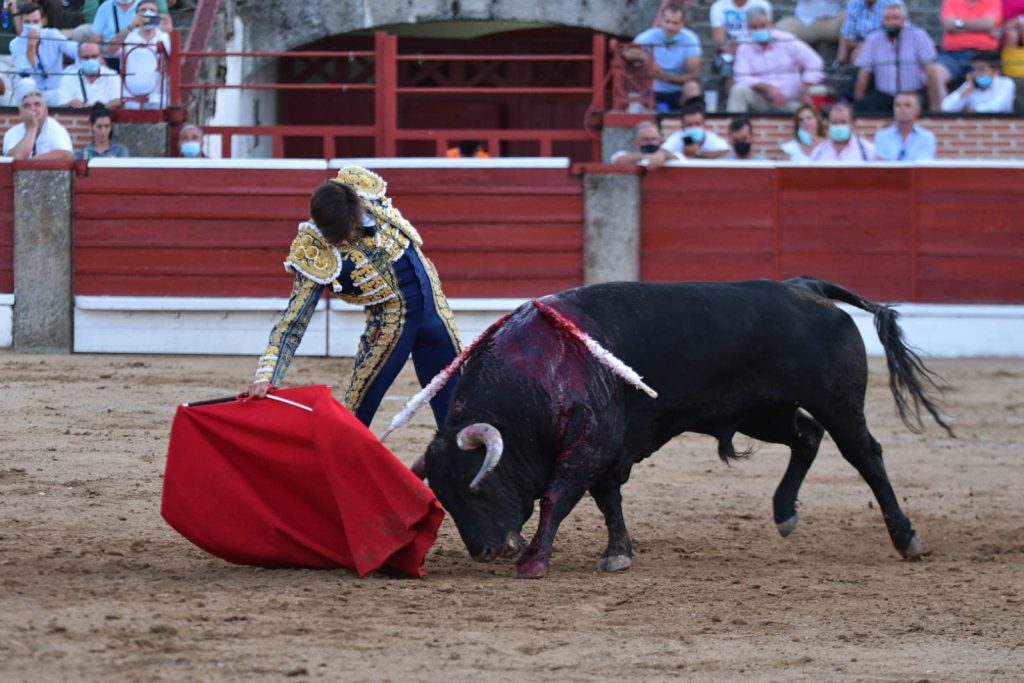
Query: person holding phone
{"type": "Point", "coordinates": [694, 140]}
{"type": "Point", "coordinates": [145, 63]}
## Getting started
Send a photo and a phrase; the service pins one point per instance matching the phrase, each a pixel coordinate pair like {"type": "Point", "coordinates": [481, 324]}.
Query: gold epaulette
{"type": "Point", "coordinates": [313, 256]}
{"type": "Point", "coordinates": [372, 190]}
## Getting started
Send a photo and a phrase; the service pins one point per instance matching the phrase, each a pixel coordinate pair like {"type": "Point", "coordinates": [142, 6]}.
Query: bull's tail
{"type": "Point", "coordinates": [909, 379]}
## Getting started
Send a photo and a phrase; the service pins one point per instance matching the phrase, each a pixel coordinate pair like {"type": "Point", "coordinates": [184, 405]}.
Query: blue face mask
{"type": "Point", "coordinates": [761, 35]}
{"type": "Point", "coordinates": [804, 137]}
{"type": "Point", "coordinates": [26, 28]}
{"type": "Point", "coordinates": [90, 67]}
{"type": "Point", "coordinates": [191, 149]}
{"type": "Point", "coordinates": [696, 133]}
{"type": "Point", "coordinates": [839, 133]}
{"type": "Point", "coordinates": [983, 81]}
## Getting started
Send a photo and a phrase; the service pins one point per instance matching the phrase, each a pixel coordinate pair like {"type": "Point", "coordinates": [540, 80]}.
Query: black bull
{"type": "Point", "coordinates": [535, 416]}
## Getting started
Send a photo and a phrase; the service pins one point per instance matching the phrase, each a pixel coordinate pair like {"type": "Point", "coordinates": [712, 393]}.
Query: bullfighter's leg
{"type": "Point", "coordinates": [802, 434]}
{"type": "Point", "coordinates": [619, 553]}
{"type": "Point", "coordinates": [862, 451]}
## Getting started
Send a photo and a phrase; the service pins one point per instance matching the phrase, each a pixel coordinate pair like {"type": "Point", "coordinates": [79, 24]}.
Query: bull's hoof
{"type": "Point", "coordinates": [531, 569]}
{"type": "Point", "coordinates": [789, 526]}
{"type": "Point", "coordinates": [913, 550]}
{"type": "Point", "coordinates": [615, 563]}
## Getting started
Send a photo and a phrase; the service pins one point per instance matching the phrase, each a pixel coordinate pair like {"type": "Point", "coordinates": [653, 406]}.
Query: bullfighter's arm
{"type": "Point", "coordinates": [287, 333]}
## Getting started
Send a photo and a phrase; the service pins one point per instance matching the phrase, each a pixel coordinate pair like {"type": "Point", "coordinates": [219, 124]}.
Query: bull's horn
{"type": "Point", "coordinates": [482, 434]}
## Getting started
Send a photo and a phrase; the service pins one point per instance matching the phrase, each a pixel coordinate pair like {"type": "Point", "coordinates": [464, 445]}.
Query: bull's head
{"type": "Point", "coordinates": [488, 509]}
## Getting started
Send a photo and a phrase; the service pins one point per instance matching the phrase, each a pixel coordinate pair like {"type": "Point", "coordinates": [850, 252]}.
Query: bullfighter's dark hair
{"type": "Point", "coordinates": [337, 212]}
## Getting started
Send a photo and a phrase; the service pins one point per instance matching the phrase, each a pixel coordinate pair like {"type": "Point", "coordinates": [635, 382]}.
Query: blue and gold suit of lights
{"type": "Point", "coordinates": [385, 272]}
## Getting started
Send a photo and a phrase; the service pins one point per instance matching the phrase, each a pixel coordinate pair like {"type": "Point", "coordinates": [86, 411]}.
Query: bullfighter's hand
{"type": "Point", "coordinates": [259, 389]}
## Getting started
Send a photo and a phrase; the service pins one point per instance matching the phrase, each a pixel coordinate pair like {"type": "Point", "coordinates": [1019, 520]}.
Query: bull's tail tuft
{"type": "Point", "coordinates": [909, 379]}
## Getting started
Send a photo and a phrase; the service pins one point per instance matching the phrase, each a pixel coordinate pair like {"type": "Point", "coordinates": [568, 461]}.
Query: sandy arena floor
{"type": "Point", "coordinates": [94, 586]}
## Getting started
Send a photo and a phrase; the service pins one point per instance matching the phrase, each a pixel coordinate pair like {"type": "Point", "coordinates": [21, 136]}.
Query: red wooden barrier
{"type": "Point", "coordinates": [933, 235]}
{"type": "Point", "coordinates": [219, 232]}
{"type": "Point", "coordinates": [6, 228]}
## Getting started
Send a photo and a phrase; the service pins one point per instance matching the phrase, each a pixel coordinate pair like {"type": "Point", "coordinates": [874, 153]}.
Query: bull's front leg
{"type": "Point", "coordinates": [619, 553]}
{"type": "Point", "coordinates": [559, 499]}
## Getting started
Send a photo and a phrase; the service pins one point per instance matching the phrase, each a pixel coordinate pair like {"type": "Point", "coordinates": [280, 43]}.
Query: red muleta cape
{"type": "Point", "coordinates": [270, 484]}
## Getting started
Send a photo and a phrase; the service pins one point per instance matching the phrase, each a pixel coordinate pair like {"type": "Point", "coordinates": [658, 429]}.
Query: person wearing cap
{"type": "Point", "coordinates": [37, 136]}
{"type": "Point", "coordinates": [38, 52]}
{"type": "Point", "coordinates": [362, 248]}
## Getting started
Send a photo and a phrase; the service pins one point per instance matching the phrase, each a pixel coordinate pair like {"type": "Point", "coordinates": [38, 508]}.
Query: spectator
{"type": "Point", "coordinates": [39, 52]}
{"type": "Point", "coordinates": [694, 141]}
{"type": "Point", "coordinates": [741, 139]}
{"type": "Point", "coordinates": [898, 58]}
{"type": "Point", "coordinates": [145, 68]}
{"type": "Point", "coordinates": [728, 30]}
{"type": "Point", "coordinates": [843, 143]}
{"type": "Point", "coordinates": [1013, 24]}
{"type": "Point", "coordinates": [10, 26]}
{"type": "Point", "coordinates": [677, 56]}
{"type": "Point", "coordinates": [863, 17]}
{"type": "Point", "coordinates": [90, 81]}
{"type": "Point", "coordinates": [969, 27]}
{"type": "Point", "coordinates": [774, 70]}
{"type": "Point", "coordinates": [190, 142]}
{"type": "Point", "coordinates": [646, 142]}
{"type": "Point", "coordinates": [905, 140]}
{"type": "Point", "coordinates": [37, 136]}
{"type": "Point", "coordinates": [809, 130]}
{"type": "Point", "coordinates": [467, 149]}
{"type": "Point", "coordinates": [113, 20]}
{"type": "Point", "coordinates": [984, 91]}
{"type": "Point", "coordinates": [816, 22]}
{"type": "Point", "coordinates": [102, 131]}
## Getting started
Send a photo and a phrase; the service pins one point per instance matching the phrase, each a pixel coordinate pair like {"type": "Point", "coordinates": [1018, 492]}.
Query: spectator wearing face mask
{"type": "Point", "coordinates": [843, 143]}
{"type": "Point", "coordinates": [676, 55]}
{"type": "Point", "coordinates": [694, 140]}
{"type": "Point", "coordinates": [145, 64]}
{"type": "Point", "coordinates": [38, 52]}
{"type": "Point", "coordinates": [646, 146]}
{"type": "Point", "coordinates": [114, 20]}
{"type": "Point", "coordinates": [774, 70]}
{"type": "Point", "coordinates": [984, 91]}
{"type": "Point", "coordinates": [190, 142]}
{"type": "Point", "coordinates": [896, 58]}
{"type": "Point", "coordinates": [809, 131]}
{"type": "Point", "coordinates": [90, 81]}
{"type": "Point", "coordinates": [741, 138]}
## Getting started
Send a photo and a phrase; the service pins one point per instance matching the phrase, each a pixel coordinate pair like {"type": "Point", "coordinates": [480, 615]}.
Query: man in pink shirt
{"type": "Point", "coordinates": [773, 71]}
{"type": "Point", "coordinates": [843, 144]}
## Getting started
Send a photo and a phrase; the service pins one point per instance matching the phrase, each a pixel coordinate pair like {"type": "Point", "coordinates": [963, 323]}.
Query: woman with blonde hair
{"type": "Point", "coordinates": [809, 130]}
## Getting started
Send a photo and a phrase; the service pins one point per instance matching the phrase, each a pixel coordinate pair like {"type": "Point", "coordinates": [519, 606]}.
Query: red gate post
{"type": "Point", "coordinates": [385, 97]}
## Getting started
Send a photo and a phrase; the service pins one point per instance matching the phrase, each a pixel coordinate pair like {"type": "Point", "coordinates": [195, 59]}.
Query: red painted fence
{"type": "Point", "coordinates": [224, 232]}
{"type": "Point", "coordinates": [935, 235]}
{"type": "Point", "coordinates": [6, 228]}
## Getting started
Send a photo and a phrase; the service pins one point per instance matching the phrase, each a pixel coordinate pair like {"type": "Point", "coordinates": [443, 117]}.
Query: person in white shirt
{"type": "Point", "coordinates": [89, 81]}
{"type": "Point", "coordinates": [37, 136]}
{"type": "Point", "coordinates": [694, 141]}
{"type": "Point", "coordinates": [646, 141]}
{"type": "Point", "coordinates": [38, 52]}
{"type": "Point", "coordinates": [145, 66]}
{"type": "Point", "coordinates": [985, 91]}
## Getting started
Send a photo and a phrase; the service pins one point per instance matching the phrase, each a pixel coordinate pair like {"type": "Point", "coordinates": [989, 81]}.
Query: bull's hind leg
{"type": "Point", "coordinates": [862, 451]}
{"type": "Point", "coordinates": [619, 553]}
{"type": "Point", "coordinates": [789, 426]}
